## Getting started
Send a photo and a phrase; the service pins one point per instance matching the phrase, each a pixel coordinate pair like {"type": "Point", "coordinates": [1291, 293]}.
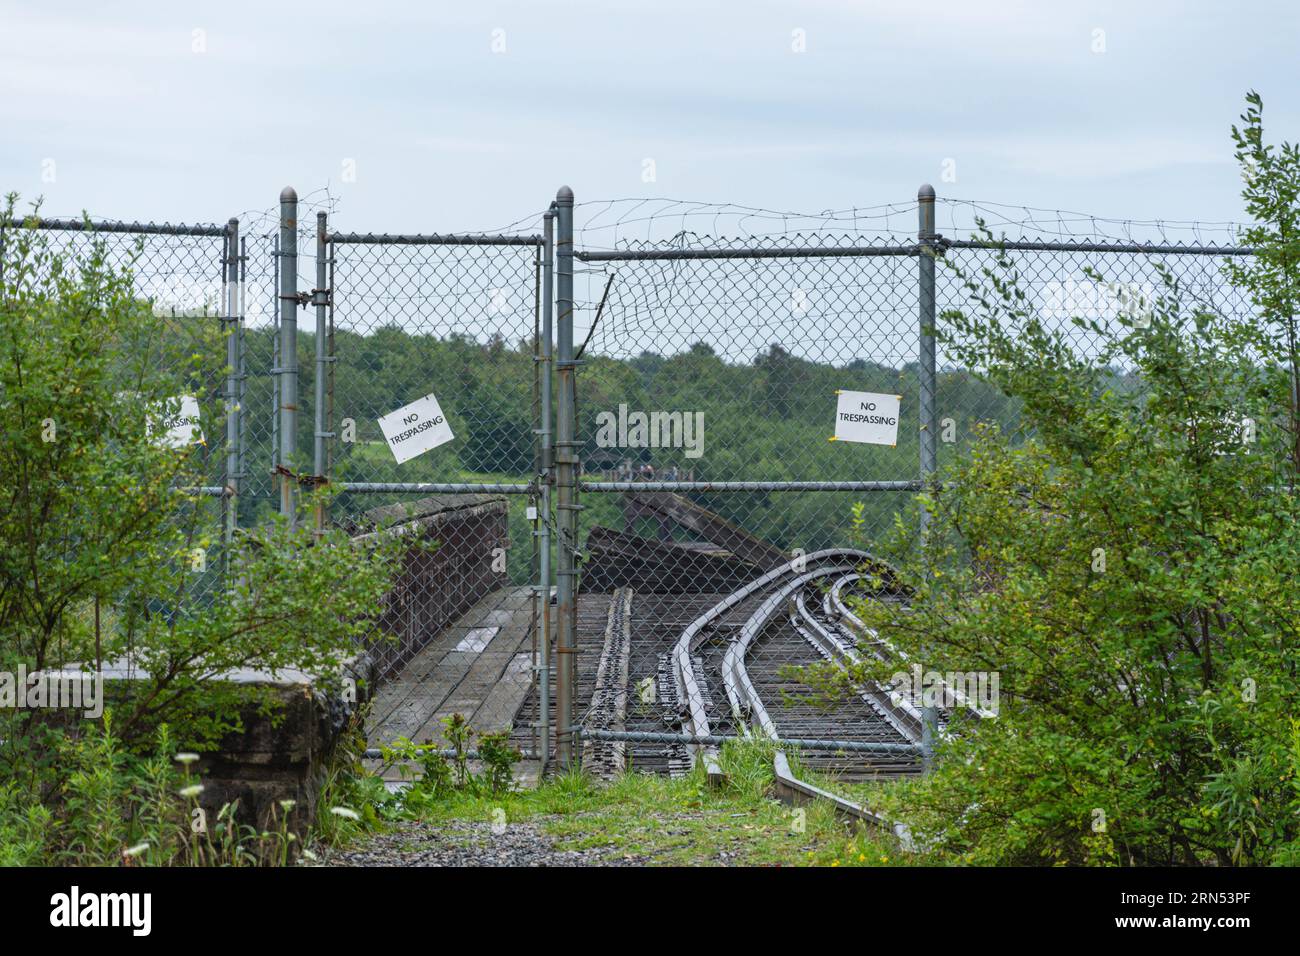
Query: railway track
{"type": "Point", "coordinates": [818, 616]}
{"type": "Point", "coordinates": [856, 634]}
{"type": "Point", "coordinates": [802, 636]}
{"type": "Point", "coordinates": [743, 680]}
{"type": "Point", "coordinates": [608, 711]}
{"type": "Point", "coordinates": [651, 705]}
{"type": "Point", "coordinates": [674, 674]}
{"type": "Point", "coordinates": [880, 734]}
{"type": "Point", "coordinates": [732, 663]}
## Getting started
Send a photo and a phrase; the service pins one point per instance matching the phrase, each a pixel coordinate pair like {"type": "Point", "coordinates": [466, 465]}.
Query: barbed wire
{"type": "Point", "coordinates": [614, 223]}
{"type": "Point", "coordinates": [630, 223]}
{"type": "Point", "coordinates": [663, 222]}
{"type": "Point", "coordinates": [748, 277]}
{"type": "Point", "coordinates": [265, 221]}
{"type": "Point", "coordinates": [958, 216]}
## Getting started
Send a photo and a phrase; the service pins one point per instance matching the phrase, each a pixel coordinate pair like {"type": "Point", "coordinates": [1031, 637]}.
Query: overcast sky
{"type": "Point", "coordinates": [469, 115]}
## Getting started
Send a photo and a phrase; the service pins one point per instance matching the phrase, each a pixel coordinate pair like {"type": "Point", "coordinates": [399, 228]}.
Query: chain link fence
{"type": "Point", "coordinates": [457, 318]}
{"type": "Point", "coordinates": [715, 342]}
{"type": "Point", "coordinates": [180, 271]}
{"type": "Point", "coordinates": [639, 522]}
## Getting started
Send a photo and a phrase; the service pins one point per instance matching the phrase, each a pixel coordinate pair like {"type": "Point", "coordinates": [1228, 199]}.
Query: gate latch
{"type": "Point", "coordinates": [314, 297]}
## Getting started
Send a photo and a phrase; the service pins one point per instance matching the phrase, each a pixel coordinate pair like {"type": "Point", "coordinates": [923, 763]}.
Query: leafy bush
{"type": "Point", "coordinates": [1127, 565]}
{"type": "Point", "coordinates": [352, 800]}
{"type": "Point", "coordinates": [499, 759]}
{"type": "Point", "coordinates": [108, 557]}
{"type": "Point", "coordinates": [115, 808]}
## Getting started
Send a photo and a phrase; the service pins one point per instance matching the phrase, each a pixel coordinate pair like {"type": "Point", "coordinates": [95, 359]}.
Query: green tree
{"type": "Point", "coordinates": [105, 548]}
{"type": "Point", "coordinates": [1272, 275]}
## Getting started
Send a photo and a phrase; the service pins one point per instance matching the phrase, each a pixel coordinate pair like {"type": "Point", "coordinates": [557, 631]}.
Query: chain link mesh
{"type": "Point", "coordinates": [747, 322]}
{"type": "Point", "coordinates": [179, 271]}
{"type": "Point", "coordinates": [730, 330]}
{"type": "Point", "coordinates": [459, 319]}
{"type": "Point", "coordinates": [735, 343]}
{"type": "Point", "coordinates": [1061, 283]}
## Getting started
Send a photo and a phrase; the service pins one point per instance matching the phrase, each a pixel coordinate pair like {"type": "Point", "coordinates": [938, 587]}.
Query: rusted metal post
{"type": "Point", "coordinates": [566, 485]}
{"type": "Point", "coordinates": [288, 365]}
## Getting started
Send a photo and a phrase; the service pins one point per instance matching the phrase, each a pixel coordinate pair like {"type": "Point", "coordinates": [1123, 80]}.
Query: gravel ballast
{"type": "Point", "coordinates": [470, 843]}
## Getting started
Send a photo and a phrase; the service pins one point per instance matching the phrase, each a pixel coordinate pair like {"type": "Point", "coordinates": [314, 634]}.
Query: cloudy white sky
{"type": "Point", "coordinates": [196, 112]}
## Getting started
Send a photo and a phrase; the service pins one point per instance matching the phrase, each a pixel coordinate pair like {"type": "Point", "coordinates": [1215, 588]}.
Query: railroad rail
{"type": "Point", "coordinates": [893, 727]}
{"type": "Point", "coordinates": [825, 635]}
{"type": "Point", "coordinates": [667, 677]}
{"type": "Point", "coordinates": [858, 634]}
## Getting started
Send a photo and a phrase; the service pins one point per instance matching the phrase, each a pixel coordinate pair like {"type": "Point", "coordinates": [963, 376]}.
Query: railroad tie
{"type": "Point", "coordinates": [608, 711]}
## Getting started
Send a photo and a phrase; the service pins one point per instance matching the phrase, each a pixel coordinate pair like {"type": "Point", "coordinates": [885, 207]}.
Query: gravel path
{"type": "Point", "coordinates": [470, 843]}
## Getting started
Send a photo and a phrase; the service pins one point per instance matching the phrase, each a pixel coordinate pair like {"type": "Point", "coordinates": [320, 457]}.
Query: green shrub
{"type": "Point", "coordinates": [1127, 566]}
{"type": "Point", "coordinates": [107, 558]}
{"type": "Point", "coordinates": [444, 774]}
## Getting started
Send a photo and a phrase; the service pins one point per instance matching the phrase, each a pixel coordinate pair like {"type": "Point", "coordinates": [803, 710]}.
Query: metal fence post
{"type": "Point", "coordinates": [242, 450]}
{"type": "Point", "coordinates": [331, 364]}
{"type": "Point", "coordinates": [929, 424]}
{"type": "Point", "coordinates": [928, 415]}
{"type": "Point", "coordinates": [274, 405]}
{"type": "Point", "coordinates": [547, 477]}
{"type": "Point", "coordinates": [234, 362]}
{"type": "Point", "coordinates": [320, 297]}
{"type": "Point", "coordinates": [288, 364]}
{"type": "Point", "coordinates": [536, 513]}
{"type": "Point", "coordinates": [566, 484]}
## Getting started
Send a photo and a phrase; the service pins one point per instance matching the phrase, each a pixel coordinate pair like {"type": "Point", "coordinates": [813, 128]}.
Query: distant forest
{"type": "Point", "coordinates": [767, 419]}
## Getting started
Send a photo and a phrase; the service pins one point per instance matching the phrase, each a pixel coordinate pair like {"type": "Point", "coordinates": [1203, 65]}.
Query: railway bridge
{"type": "Point", "coordinates": [681, 643]}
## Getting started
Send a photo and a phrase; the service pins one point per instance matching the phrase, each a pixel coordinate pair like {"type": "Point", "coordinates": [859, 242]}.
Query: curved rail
{"type": "Point", "coordinates": [746, 703]}
{"type": "Point", "coordinates": [893, 707]}
{"type": "Point", "coordinates": [743, 697]}
{"type": "Point", "coordinates": [741, 692]}
{"type": "Point", "coordinates": [841, 611]}
{"type": "Point", "coordinates": [695, 718]}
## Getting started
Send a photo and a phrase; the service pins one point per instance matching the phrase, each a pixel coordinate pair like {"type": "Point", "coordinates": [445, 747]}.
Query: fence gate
{"type": "Point", "coordinates": [459, 318]}
{"type": "Point", "coordinates": [687, 341]}
{"type": "Point", "coordinates": [709, 370]}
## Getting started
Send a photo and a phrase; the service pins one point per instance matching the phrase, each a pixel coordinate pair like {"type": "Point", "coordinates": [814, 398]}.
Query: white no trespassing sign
{"type": "Point", "coordinates": [414, 429]}
{"type": "Point", "coordinates": [183, 428]}
{"type": "Point", "coordinates": [867, 417]}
